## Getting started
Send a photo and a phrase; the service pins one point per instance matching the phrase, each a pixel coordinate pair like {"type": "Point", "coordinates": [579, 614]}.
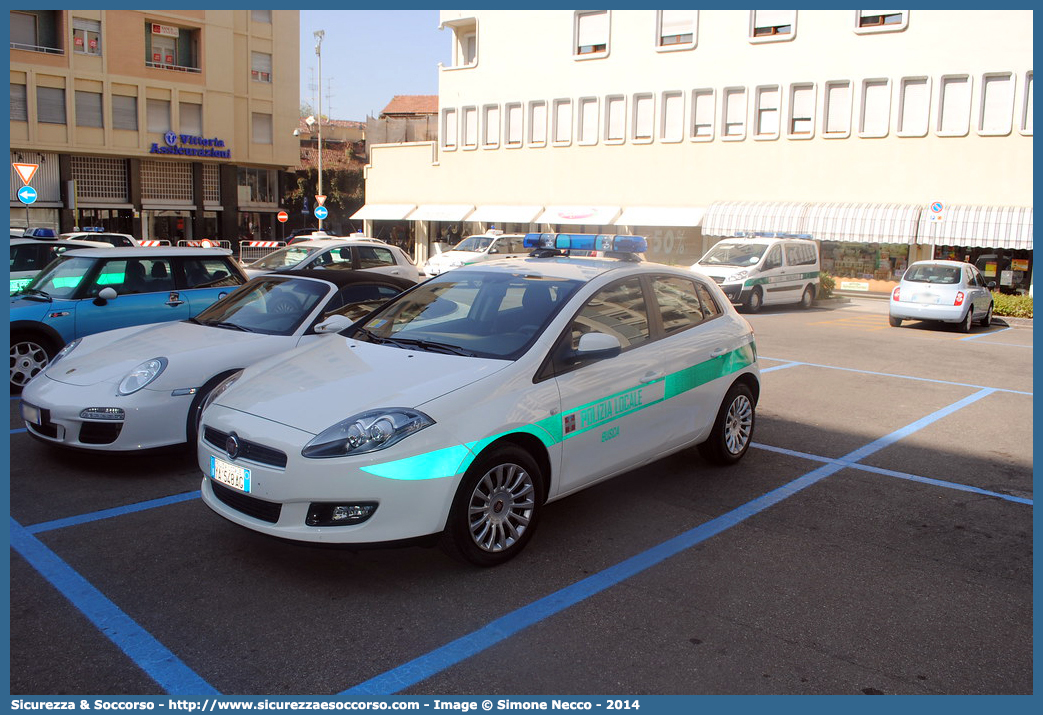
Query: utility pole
{"type": "Point", "coordinates": [319, 34]}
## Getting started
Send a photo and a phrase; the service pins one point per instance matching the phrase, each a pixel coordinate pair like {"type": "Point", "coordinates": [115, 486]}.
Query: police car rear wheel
{"type": "Point", "coordinates": [808, 299]}
{"type": "Point", "coordinates": [494, 513]}
{"type": "Point", "coordinates": [733, 430]}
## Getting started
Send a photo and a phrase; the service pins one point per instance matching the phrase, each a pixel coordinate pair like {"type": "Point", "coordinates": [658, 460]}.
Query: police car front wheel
{"type": "Point", "coordinates": [494, 512]}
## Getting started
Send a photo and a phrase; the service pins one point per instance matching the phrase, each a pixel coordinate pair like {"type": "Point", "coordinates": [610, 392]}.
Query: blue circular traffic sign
{"type": "Point", "coordinates": [27, 195]}
{"type": "Point", "coordinates": [321, 212]}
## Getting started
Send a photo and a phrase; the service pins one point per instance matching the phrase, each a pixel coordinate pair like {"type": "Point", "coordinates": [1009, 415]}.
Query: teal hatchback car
{"type": "Point", "coordinates": [91, 290]}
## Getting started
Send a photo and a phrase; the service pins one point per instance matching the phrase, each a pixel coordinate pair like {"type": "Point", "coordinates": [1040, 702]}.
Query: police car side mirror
{"type": "Point", "coordinates": [598, 346]}
{"type": "Point", "coordinates": [105, 295]}
{"type": "Point", "coordinates": [334, 324]}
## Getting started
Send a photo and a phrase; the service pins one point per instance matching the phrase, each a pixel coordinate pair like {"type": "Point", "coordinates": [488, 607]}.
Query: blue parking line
{"type": "Point", "coordinates": [981, 335]}
{"type": "Point", "coordinates": [110, 513]}
{"type": "Point", "coordinates": [20, 430]}
{"type": "Point", "coordinates": [155, 659]}
{"type": "Point", "coordinates": [894, 375]}
{"type": "Point", "coordinates": [429, 664]}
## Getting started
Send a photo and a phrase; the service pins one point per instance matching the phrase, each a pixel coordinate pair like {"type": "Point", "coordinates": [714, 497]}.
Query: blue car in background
{"type": "Point", "coordinates": [90, 290]}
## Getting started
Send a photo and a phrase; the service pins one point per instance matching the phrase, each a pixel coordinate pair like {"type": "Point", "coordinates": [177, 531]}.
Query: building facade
{"type": "Point", "coordinates": [168, 125]}
{"type": "Point", "coordinates": [888, 135]}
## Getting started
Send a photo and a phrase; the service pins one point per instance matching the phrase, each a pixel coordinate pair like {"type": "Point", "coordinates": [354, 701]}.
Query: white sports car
{"type": "Point", "coordinates": [462, 406]}
{"type": "Point", "coordinates": [141, 387]}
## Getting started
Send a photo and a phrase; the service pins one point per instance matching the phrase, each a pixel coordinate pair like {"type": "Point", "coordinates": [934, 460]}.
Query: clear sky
{"type": "Point", "coordinates": [369, 56]}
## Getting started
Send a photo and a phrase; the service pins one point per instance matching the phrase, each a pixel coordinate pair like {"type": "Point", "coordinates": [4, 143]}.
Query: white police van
{"type": "Point", "coordinates": [761, 268]}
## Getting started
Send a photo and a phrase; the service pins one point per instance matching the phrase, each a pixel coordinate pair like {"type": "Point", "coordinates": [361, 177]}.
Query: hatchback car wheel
{"type": "Point", "coordinates": [968, 321]}
{"type": "Point", "coordinates": [987, 320]}
{"type": "Point", "coordinates": [494, 512]}
{"type": "Point", "coordinates": [29, 355]}
{"type": "Point", "coordinates": [733, 430]}
{"type": "Point", "coordinates": [895, 322]}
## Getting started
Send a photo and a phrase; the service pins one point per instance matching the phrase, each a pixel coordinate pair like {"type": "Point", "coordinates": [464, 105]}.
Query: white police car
{"type": "Point", "coordinates": [465, 404]}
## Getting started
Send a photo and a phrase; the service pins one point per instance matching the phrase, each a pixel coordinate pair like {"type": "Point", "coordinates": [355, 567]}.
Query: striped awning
{"type": "Point", "coordinates": [506, 214]}
{"type": "Point", "coordinates": [862, 223]}
{"type": "Point", "coordinates": [661, 216]}
{"type": "Point", "coordinates": [383, 212]}
{"type": "Point", "coordinates": [977, 226]}
{"type": "Point", "coordinates": [441, 212]}
{"type": "Point", "coordinates": [579, 215]}
{"type": "Point", "coordinates": [727, 218]}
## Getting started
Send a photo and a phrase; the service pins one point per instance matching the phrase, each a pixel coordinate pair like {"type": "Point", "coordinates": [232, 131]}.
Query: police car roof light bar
{"type": "Point", "coordinates": [586, 242]}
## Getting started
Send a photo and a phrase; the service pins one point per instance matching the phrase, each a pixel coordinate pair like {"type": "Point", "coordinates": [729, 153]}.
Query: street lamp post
{"type": "Point", "coordinates": [319, 34]}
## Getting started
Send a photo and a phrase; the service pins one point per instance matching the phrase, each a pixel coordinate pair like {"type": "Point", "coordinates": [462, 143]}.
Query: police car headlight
{"type": "Point", "coordinates": [738, 276]}
{"type": "Point", "coordinates": [367, 432]}
{"type": "Point", "coordinates": [141, 376]}
{"type": "Point", "coordinates": [220, 389]}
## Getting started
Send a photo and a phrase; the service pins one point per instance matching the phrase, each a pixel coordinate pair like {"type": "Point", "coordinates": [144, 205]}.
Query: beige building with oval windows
{"type": "Point", "coordinates": [888, 135]}
{"type": "Point", "coordinates": [168, 125]}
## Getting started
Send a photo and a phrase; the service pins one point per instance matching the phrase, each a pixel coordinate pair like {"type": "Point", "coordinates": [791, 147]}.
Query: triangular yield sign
{"type": "Point", "coordinates": [320, 199]}
{"type": "Point", "coordinates": [26, 171]}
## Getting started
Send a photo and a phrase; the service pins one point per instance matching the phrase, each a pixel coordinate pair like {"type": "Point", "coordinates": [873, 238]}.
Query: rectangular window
{"type": "Point", "coordinates": [470, 121]}
{"type": "Point", "coordinates": [514, 131]}
{"type": "Point", "coordinates": [644, 117]}
{"type": "Point", "coordinates": [676, 28]}
{"type": "Point", "coordinates": [867, 21]}
{"type": "Point", "coordinates": [954, 105]}
{"type": "Point", "coordinates": [704, 106]}
{"type": "Point", "coordinates": [124, 112]}
{"type": "Point", "coordinates": [465, 42]}
{"type": "Point", "coordinates": [158, 112]}
{"type": "Point", "coordinates": [37, 31]}
{"type": "Point", "coordinates": [264, 16]}
{"type": "Point", "coordinates": [836, 114]}
{"type": "Point", "coordinates": [996, 108]}
{"type": "Point", "coordinates": [767, 112]}
{"type": "Point", "coordinates": [469, 48]}
{"type": "Point", "coordinates": [773, 24]}
{"type": "Point", "coordinates": [588, 121]}
{"type": "Point", "coordinates": [538, 122]}
{"type": "Point", "coordinates": [672, 123]}
{"type": "Point", "coordinates": [875, 120]}
{"type": "Point", "coordinates": [50, 105]}
{"type": "Point", "coordinates": [86, 36]}
{"type": "Point", "coordinates": [261, 128]}
{"type": "Point", "coordinates": [615, 119]}
{"type": "Point", "coordinates": [914, 106]}
{"type": "Point", "coordinates": [261, 66]}
{"type": "Point", "coordinates": [191, 118]}
{"type": "Point", "coordinates": [449, 129]}
{"type": "Point", "coordinates": [1026, 106]}
{"type": "Point", "coordinates": [734, 116]}
{"type": "Point", "coordinates": [88, 109]}
{"type": "Point", "coordinates": [491, 126]}
{"type": "Point", "coordinates": [170, 47]}
{"type": "Point", "coordinates": [19, 103]}
{"type": "Point", "coordinates": [592, 30]}
{"type": "Point", "coordinates": [562, 121]}
{"type": "Point", "coordinates": [801, 110]}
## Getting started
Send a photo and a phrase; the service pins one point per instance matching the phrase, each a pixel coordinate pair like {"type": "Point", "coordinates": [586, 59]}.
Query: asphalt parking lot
{"type": "Point", "coordinates": [876, 539]}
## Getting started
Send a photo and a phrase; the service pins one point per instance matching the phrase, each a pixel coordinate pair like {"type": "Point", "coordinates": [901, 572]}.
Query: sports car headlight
{"type": "Point", "coordinates": [65, 351]}
{"type": "Point", "coordinates": [220, 389]}
{"type": "Point", "coordinates": [367, 432]}
{"type": "Point", "coordinates": [142, 375]}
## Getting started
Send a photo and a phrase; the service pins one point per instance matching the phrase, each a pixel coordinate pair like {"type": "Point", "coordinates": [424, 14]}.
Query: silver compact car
{"type": "Point", "coordinates": [943, 291]}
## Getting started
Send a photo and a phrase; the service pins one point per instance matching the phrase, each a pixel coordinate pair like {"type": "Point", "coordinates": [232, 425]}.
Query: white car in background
{"type": "Point", "coordinates": [462, 406]}
{"type": "Point", "coordinates": [359, 253]}
{"type": "Point", "coordinates": [478, 248]}
{"type": "Point", "coordinates": [942, 291]}
{"type": "Point", "coordinates": [139, 388]}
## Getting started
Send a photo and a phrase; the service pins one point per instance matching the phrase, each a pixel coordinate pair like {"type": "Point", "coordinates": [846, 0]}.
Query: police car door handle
{"type": "Point", "coordinates": [652, 376]}
{"type": "Point", "coordinates": [718, 352]}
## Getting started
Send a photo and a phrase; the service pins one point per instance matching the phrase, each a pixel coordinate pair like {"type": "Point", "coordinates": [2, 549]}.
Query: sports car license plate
{"type": "Point", "coordinates": [229, 474]}
{"type": "Point", "coordinates": [30, 414]}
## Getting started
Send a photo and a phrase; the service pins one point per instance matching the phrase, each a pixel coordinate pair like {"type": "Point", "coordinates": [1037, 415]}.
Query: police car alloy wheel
{"type": "Point", "coordinates": [494, 512]}
{"type": "Point", "coordinates": [733, 429]}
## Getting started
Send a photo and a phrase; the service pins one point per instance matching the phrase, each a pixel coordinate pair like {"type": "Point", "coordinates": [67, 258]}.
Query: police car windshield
{"type": "Point", "coordinates": [61, 278]}
{"type": "Point", "coordinates": [473, 243]}
{"type": "Point", "coordinates": [478, 313]}
{"type": "Point", "coordinates": [283, 258]}
{"type": "Point", "coordinates": [734, 254]}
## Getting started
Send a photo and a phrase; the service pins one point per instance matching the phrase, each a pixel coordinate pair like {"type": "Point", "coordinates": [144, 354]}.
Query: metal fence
{"type": "Point", "coordinates": [250, 251]}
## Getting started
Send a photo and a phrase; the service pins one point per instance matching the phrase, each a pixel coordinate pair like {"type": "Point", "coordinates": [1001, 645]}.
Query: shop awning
{"type": "Point", "coordinates": [727, 218]}
{"type": "Point", "coordinates": [441, 212]}
{"type": "Point", "coordinates": [661, 216]}
{"type": "Point", "coordinates": [862, 223]}
{"type": "Point", "coordinates": [506, 214]}
{"type": "Point", "coordinates": [580, 215]}
{"type": "Point", "coordinates": [977, 226]}
{"type": "Point", "coordinates": [383, 212]}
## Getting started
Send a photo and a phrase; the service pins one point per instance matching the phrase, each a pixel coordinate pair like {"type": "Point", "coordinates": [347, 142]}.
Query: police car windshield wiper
{"type": "Point", "coordinates": [432, 346]}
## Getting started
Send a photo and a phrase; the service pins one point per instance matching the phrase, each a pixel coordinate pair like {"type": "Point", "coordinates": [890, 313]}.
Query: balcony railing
{"type": "Point", "coordinates": [179, 68]}
{"type": "Point", "coordinates": [37, 48]}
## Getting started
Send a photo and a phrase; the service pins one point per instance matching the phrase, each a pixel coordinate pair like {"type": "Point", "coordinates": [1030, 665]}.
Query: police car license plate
{"type": "Point", "coordinates": [229, 474]}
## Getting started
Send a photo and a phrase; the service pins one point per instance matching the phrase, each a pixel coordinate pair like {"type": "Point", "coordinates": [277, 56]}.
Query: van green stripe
{"type": "Point", "coordinates": [455, 460]}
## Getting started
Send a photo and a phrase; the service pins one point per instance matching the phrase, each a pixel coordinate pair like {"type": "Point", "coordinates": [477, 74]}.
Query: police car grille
{"type": "Point", "coordinates": [247, 450]}
{"type": "Point", "coordinates": [251, 506]}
